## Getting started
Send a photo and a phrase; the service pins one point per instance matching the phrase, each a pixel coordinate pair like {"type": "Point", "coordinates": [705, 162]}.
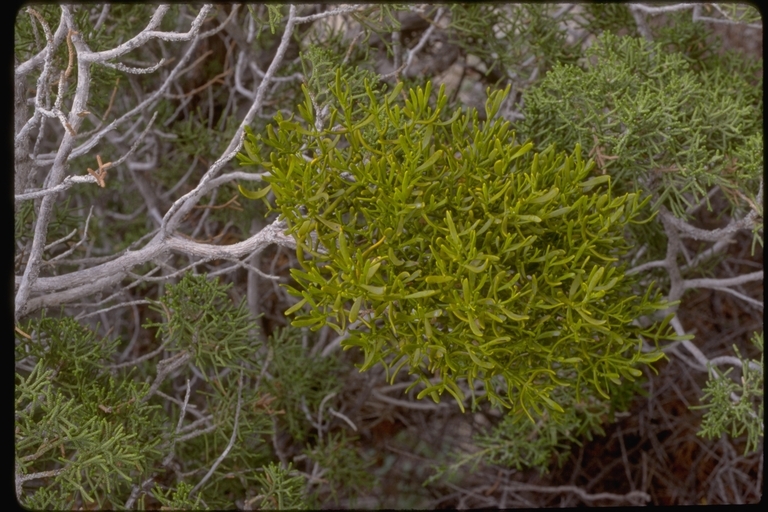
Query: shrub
{"type": "Point", "coordinates": [512, 276]}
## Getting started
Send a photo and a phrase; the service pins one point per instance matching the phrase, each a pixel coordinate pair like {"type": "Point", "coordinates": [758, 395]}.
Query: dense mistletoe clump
{"type": "Point", "coordinates": [442, 244]}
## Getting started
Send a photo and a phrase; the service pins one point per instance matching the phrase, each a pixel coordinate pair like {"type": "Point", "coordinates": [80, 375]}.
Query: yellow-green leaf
{"type": "Point", "coordinates": [479, 362]}
{"type": "Point", "coordinates": [523, 150]}
{"type": "Point", "coordinates": [552, 404]}
{"type": "Point", "coordinates": [597, 180]}
{"type": "Point", "coordinates": [438, 279]}
{"type": "Point", "coordinates": [355, 309]}
{"type": "Point", "coordinates": [546, 197]}
{"type": "Point", "coordinates": [419, 295]}
{"type": "Point", "coordinates": [375, 290]}
{"type": "Point", "coordinates": [258, 194]}
{"type": "Point", "coordinates": [295, 307]}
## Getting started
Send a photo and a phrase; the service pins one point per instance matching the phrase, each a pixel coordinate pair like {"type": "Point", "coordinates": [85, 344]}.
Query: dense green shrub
{"type": "Point", "coordinates": [511, 276]}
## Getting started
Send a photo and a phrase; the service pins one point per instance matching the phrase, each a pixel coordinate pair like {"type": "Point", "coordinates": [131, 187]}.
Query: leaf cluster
{"type": "Point", "coordinates": [510, 279]}
{"type": "Point", "coordinates": [736, 407]}
{"type": "Point", "coordinates": [545, 443]}
{"type": "Point", "coordinates": [98, 432]}
{"type": "Point", "coordinates": [300, 381]}
{"type": "Point", "coordinates": [321, 65]}
{"type": "Point", "coordinates": [343, 467]}
{"type": "Point", "coordinates": [508, 38]}
{"type": "Point", "coordinates": [653, 122]}
{"type": "Point", "coordinates": [177, 498]}
{"type": "Point", "coordinates": [281, 489]}
{"type": "Point", "coordinates": [73, 416]}
{"type": "Point", "coordinates": [198, 320]}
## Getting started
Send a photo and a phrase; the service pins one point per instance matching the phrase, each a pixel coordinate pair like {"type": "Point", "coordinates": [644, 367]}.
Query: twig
{"type": "Point", "coordinates": [167, 459]}
{"type": "Point", "coordinates": [20, 479]}
{"type": "Point", "coordinates": [135, 491]}
{"type": "Point", "coordinates": [64, 185]}
{"type": "Point", "coordinates": [633, 497]}
{"type": "Point", "coordinates": [424, 38]}
{"type": "Point", "coordinates": [326, 14]}
{"type": "Point", "coordinates": [101, 173]}
{"type": "Point", "coordinates": [78, 244]}
{"type": "Point", "coordinates": [343, 417]}
{"type": "Point", "coordinates": [197, 433]}
{"type": "Point", "coordinates": [231, 439]}
{"type": "Point", "coordinates": [723, 282]}
{"type": "Point", "coordinates": [743, 297]}
{"type": "Point", "coordinates": [403, 403]}
{"type": "Point", "coordinates": [663, 9]}
{"type": "Point", "coordinates": [734, 361]}
{"type": "Point", "coordinates": [646, 266]}
{"type": "Point", "coordinates": [140, 359]}
{"type": "Point", "coordinates": [164, 368]}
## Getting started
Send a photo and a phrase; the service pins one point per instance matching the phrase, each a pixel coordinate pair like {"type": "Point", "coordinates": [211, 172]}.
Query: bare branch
{"type": "Point", "coordinates": [85, 282]}
{"type": "Point", "coordinates": [147, 34]}
{"type": "Point", "coordinates": [165, 368]}
{"type": "Point", "coordinates": [423, 41]}
{"type": "Point", "coordinates": [662, 9]}
{"type": "Point", "coordinates": [646, 266]}
{"type": "Point", "coordinates": [326, 14]}
{"type": "Point", "coordinates": [633, 497]}
{"type": "Point", "coordinates": [78, 244]}
{"type": "Point", "coordinates": [714, 235]}
{"type": "Point", "coordinates": [723, 282]}
{"type": "Point", "coordinates": [181, 207]}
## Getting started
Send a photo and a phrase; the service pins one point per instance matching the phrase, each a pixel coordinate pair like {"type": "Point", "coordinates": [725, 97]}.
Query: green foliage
{"type": "Point", "coordinates": [178, 498]}
{"type": "Point", "coordinates": [521, 444]}
{"type": "Point", "coordinates": [24, 219]}
{"type": "Point", "coordinates": [613, 17]}
{"type": "Point", "coordinates": [382, 20]}
{"type": "Point", "coordinates": [93, 432]}
{"type": "Point", "coordinates": [654, 123]}
{"type": "Point", "coordinates": [440, 243]}
{"type": "Point", "coordinates": [273, 17]}
{"type": "Point", "coordinates": [510, 279]}
{"type": "Point", "coordinates": [688, 39]}
{"type": "Point", "coordinates": [343, 467]}
{"type": "Point", "coordinates": [199, 317]}
{"type": "Point", "coordinates": [300, 381]}
{"type": "Point", "coordinates": [73, 417]}
{"type": "Point", "coordinates": [321, 66]}
{"type": "Point", "coordinates": [504, 37]}
{"type": "Point", "coordinates": [200, 321]}
{"type": "Point", "coordinates": [281, 489]}
{"type": "Point", "coordinates": [236, 475]}
{"type": "Point", "coordinates": [736, 407]}
{"type": "Point", "coordinates": [196, 139]}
